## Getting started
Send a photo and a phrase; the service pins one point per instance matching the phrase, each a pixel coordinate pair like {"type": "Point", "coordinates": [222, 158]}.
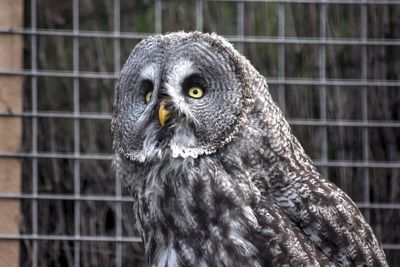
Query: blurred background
{"type": "Point", "coordinates": [333, 66]}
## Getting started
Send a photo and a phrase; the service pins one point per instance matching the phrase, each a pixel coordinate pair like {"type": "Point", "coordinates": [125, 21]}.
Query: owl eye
{"type": "Point", "coordinates": [148, 96]}
{"type": "Point", "coordinates": [194, 86]}
{"type": "Point", "coordinates": [146, 88]}
{"type": "Point", "coordinates": [195, 92]}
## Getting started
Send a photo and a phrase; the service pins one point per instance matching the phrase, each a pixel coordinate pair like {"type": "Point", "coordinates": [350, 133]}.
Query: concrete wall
{"type": "Point", "coordinates": [11, 49]}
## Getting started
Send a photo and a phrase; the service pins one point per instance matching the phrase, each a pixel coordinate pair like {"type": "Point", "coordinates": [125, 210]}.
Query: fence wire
{"type": "Point", "coordinates": [74, 211]}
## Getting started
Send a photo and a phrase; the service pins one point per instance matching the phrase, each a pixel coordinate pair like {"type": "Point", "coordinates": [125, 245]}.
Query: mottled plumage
{"type": "Point", "coordinates": [224, 182]}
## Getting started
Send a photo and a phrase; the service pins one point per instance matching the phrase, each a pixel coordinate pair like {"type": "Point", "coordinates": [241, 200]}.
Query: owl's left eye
{"type": "Point", "coordinates": [195, 92]}
{"type": "Point", "coordinates": [194, 86]}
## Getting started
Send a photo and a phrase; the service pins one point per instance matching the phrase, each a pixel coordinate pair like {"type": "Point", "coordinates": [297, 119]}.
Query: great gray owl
{"type": "Point", "coordinates": [217, 176]}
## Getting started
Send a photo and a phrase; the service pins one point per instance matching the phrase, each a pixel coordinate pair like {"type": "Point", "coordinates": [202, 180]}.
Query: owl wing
{"type": "Point", "coordinates": [279, 240]}
{"type": "Point", "coordinates": [326, 216]}
{"type": "Point", "coordinates": [322, 212]}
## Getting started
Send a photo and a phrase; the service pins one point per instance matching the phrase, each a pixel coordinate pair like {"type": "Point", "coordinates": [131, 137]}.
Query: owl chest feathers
{"type": "Point", "coordinates": [192, 212]}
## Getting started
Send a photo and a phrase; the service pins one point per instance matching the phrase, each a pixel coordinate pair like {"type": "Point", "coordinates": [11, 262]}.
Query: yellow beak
{"type": "Point", "coordinates": [163, 113]}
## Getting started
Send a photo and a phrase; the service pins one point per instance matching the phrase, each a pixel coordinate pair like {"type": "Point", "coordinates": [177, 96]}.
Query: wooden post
{"type": "Point", "coordinates": [11, 49]}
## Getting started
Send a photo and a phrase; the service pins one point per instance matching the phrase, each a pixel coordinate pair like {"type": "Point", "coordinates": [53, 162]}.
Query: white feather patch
{"type": "Point", "coordinates": [149, 72]}
{"type": "Point", "coordinates": [180, 71]}
{"type": "Point", "coordinates": [167, 257]}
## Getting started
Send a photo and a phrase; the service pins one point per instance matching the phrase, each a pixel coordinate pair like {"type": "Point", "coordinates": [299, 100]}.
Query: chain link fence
{"type": "Point", "coordinates": [333, 66]}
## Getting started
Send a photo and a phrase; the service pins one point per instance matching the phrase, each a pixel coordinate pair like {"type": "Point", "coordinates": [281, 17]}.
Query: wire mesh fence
{"type": "Point", "coordinates": [333, 66]}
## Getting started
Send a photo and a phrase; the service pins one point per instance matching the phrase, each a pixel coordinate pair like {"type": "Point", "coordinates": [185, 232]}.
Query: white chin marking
{"type": "Point", "coordinates": [184, 152]}
{"type": "Point", "coordinates": [183, 142]}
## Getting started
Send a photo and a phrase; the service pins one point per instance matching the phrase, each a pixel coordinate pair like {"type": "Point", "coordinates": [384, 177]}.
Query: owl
{"type": "Point", "coordinates": [217, 177]}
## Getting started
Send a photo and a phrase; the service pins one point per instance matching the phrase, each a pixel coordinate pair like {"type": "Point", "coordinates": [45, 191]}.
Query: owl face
{"type": "Point", "coordinates": [181, 93]}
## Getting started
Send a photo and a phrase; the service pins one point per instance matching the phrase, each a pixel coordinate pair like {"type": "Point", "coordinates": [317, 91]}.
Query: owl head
{"type": "Point", "coordinates": [183, 94]}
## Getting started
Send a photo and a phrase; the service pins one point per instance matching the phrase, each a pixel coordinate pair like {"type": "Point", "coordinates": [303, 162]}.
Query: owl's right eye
{"type": "Point", "coordinates": [148, 96]}
{"type": "Point", "coordinates": [147, 90]}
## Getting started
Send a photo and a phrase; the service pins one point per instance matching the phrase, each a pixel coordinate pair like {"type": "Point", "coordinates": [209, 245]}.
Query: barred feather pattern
{"type": "Point", "coordinates": [253, 199]}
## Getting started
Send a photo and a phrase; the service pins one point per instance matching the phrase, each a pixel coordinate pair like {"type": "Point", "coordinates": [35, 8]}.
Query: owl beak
{"type": "Point", "coordinates": [163, 113]}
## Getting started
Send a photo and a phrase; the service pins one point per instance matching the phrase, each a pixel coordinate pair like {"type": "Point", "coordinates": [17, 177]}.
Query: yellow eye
{"type": "Point", "coordinates": [195, 92]}
{"type": "Point", "coordinates": [148, 96]}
